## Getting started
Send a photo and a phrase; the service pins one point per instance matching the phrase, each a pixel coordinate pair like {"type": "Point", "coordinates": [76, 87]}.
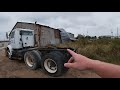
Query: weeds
{"type": "Point", "coordinates": [107, 50]}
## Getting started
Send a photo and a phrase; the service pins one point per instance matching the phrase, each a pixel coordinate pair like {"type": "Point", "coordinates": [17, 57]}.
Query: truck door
{"type": "Point", "coordinates": [27, 38]}
{"type": "Point", "coordinates": [12, 39]}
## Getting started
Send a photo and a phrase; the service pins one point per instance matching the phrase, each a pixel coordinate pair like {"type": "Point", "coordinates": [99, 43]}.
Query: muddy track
{"type": "Point", "coordinates": [17, 69]}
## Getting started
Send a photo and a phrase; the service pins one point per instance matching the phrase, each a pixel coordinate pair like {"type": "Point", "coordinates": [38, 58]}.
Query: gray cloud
{"type": "Point", "coordinates": [4, 19]}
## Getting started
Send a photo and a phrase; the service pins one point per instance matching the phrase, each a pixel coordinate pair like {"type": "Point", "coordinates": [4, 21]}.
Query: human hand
{"type": "Point", "coordinates": [78, 61]}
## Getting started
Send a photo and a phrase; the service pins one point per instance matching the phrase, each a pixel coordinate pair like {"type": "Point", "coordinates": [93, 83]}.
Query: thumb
{"type": "Point", "coordinates": [69, 65]}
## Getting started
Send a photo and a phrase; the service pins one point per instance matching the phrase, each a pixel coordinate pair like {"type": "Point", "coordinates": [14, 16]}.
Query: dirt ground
{"type": "Point", "coordinates": [18, 69]}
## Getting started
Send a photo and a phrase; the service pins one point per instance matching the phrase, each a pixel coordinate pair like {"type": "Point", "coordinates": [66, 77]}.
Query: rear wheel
{"type": "Point", "coordinates": [53, 63]}
{"type": "Point", "coordinates": [50, 65]}
{"type": "Point", "coordinates": [32, 59]}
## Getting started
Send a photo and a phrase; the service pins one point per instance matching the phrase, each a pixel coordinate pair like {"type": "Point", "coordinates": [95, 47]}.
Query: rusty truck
{"type": "Point", "coordinates": [36, 44]}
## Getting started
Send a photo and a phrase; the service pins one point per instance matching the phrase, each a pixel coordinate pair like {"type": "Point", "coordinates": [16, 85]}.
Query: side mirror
{"type": "Point", "coordinates": [20, 33]}
{"type": "Point", "coordinates": [7, 36]}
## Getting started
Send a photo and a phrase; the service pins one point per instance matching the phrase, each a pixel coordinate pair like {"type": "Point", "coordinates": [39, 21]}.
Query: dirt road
{"type": "Point", "coordinates": [17, 69]}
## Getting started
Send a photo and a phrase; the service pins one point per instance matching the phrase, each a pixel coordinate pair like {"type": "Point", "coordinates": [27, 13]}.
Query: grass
{"type": "Point", "coordinates": [107, 50]}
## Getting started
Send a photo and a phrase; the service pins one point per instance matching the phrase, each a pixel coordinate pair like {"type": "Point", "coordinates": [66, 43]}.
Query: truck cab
{"type": "Point", "coordinates": [21, 38]}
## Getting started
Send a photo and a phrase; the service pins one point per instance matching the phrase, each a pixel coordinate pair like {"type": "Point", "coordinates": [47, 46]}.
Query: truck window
{"type": "Point", "coordinates": [12, 34]}
{"type": "Point", "coordinates": [26, 33]}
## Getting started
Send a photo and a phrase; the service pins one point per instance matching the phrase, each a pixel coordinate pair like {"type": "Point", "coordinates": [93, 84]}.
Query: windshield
{"type": "Point", "coordinates": [26, 32]}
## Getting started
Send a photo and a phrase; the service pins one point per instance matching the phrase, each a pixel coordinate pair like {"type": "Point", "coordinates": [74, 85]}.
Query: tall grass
{"type": "Point", "coordinates": [107, 50]}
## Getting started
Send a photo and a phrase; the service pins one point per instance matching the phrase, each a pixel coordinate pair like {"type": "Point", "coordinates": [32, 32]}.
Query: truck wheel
{"type": "Point", "coordinates": [53, 63]}
{"type": "Point", "coordinates": [32, 59]}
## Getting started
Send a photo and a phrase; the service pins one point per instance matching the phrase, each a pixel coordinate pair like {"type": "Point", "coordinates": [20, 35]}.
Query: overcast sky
{"type": "Point", "coordinates": [87, 23]}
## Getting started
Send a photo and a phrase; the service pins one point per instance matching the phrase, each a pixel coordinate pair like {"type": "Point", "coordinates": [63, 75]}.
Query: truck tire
{"type": "Point", "coordinates": [53, 63]}
{"type": "Point", "coordinates": [32, 59]}
{"type": "Point", "coordinates": [65, 60]}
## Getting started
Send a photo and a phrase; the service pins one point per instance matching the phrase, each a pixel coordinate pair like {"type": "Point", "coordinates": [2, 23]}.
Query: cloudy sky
{"type": "Point", "coordinates": [86, 23]}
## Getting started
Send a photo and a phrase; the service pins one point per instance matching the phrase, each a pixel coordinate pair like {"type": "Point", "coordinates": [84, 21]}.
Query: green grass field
{"type": "Point", "coordinates": [107, 50]}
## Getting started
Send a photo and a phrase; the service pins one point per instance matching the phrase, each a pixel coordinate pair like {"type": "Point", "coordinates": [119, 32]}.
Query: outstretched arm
{"type": "Point", "coordinates": [103, 69]}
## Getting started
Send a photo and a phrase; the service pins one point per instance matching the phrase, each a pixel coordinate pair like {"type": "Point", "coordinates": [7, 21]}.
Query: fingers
{"type": "Point", "coordinates": [71, 52]}
{"type": "Point", "coordinates": [69, 65]}
{"type": "Point", "coordinates": [71, 60]}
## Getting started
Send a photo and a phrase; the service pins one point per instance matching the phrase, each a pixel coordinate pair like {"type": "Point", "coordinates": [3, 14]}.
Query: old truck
{"type": "Point", "coordinates": [37, 45]}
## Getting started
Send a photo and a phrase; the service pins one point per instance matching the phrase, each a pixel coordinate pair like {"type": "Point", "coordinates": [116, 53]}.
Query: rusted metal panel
{"type": "Point", "coordinates": [36, 37]}
{"type": "Point", "coordinates": [25, 26]}
{"type": "Point", "coordinates": [58, 41]}
{"type": "Point", "coordinates": [39, 35]}
{"type": "Point", "coordinates": [47, 36]}
{"type": "Point", "coordinates": [57, 34]}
